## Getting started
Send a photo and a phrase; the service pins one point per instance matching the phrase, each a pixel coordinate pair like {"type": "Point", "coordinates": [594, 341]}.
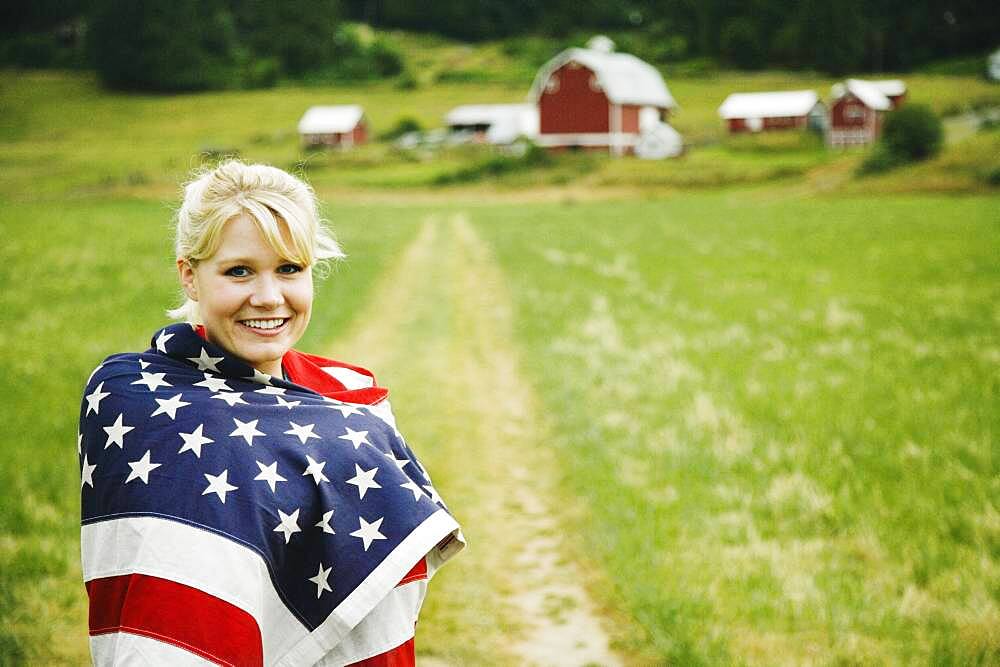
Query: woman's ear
{"type": "Point", "coordinates": [186, 274]}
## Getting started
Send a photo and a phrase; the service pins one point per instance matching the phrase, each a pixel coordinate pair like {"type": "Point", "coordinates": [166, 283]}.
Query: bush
{"type": "Point", "coordinates": [912, 133]}
{"type": "Point", "coordinates": [404, 125]}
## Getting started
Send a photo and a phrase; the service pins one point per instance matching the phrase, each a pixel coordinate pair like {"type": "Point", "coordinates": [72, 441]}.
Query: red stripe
{"type": "Point", "coordinates": [177, 614]}
{"type": "Point", "coordinates": [418, 572]}
{"type": "Point", "coordinates": [401, 656]}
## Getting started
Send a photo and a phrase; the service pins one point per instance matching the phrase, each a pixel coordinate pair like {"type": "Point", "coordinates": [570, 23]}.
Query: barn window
{"type": "Point", "coordinates": [552, 85]}
{"type": "Point", "coordinates": [595, 85]}
{"type": "Point", "coordinates": [854, 112]}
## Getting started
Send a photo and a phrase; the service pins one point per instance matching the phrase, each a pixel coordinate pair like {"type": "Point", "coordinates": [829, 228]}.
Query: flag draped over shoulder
{"type": "Point", "coordinates": [259, 519]}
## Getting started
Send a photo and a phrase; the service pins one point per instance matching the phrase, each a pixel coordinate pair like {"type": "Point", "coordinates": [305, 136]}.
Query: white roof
{"type": "Point", "coordinates": [330, 119]}
{"type": "Point", "coordinates": [768, 105]}
{"type": "Point", "coordinates": [624, 78]}
{"type": "Point", "coordinates": [485, 114]}
{"type": "Point", "coordinates": [890, 87]}
{"type": "Point", "coordinates": [866, 91]}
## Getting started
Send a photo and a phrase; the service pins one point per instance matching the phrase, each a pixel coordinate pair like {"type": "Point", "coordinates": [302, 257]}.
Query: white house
{"type": "Point", "coordinates": [341, 126]}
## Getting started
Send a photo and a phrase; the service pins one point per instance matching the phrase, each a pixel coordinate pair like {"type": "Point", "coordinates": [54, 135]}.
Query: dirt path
{"type": "Point", "coordinates": [439, 331]}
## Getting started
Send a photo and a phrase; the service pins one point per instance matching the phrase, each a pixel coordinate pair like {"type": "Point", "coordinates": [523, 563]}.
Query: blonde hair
{"type": "Point", "coordinates": [267, 195]}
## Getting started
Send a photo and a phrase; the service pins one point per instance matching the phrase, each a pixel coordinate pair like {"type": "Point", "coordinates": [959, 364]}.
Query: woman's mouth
{"type": "Point", "coordinates": [266, 327]}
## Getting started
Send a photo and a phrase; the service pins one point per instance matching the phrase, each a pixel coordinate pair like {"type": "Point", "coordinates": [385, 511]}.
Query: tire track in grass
{"type": "Point", "coordinates": [438, 332]}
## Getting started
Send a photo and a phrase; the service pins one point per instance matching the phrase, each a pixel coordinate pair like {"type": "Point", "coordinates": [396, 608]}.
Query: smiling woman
{"type": "Point", "coordinates": [332, 527]}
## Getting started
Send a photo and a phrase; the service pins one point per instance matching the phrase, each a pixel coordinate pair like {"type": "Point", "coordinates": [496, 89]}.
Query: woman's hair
{"type": "Point", "coordinates": [268, 196]}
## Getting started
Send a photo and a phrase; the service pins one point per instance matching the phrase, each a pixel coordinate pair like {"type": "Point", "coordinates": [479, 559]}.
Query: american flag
{"type": "Point", "coordinates": [278, 515]}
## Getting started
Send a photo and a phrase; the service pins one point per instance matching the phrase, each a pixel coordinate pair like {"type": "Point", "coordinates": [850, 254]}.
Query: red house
{"type": "Point", "coordinates": [334, 126]}
{"type": "Point", "coordinates": [594, 98]}
{"type": "Point", "coordinates": [858, 109]}
{"type": "Point", "coordinates": [760, 112]}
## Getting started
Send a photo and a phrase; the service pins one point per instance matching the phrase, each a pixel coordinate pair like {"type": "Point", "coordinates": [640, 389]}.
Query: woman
{"type": "Point", "coordinates": [245, 503]}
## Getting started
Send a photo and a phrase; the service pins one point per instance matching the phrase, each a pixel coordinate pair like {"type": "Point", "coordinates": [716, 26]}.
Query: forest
{"type": "Point", "coordinates": [213, 44]}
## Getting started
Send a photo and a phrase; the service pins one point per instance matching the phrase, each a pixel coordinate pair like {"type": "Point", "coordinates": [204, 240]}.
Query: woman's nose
{"type": "Point", "coordinates": [266, 293]}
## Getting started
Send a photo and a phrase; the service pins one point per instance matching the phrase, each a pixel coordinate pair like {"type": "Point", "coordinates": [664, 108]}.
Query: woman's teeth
{"type": "Point", "coordinates": [264, 324]}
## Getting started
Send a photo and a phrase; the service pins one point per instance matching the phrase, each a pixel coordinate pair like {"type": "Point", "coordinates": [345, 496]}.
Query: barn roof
{"type": "Point", "coordinates": [769, 105]}
{"type": "Point", "coordinates": [330, 119]}
{"type": "Point", "coordinates": [869, 92]}
{"type": "Point", "coordinates": [507, 122]}
{"type": "Point", "coordinates": [624, 78]}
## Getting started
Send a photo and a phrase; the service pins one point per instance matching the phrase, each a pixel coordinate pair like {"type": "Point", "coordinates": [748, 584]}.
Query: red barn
{"type": "Point", "coordinates": [594, 98]}
{"type": "Point", "coordinates": [757, 112]}
{"type": "Point", "coordinates": [335, 126]}
{"type": "Point", "coordinates": [858, 108]}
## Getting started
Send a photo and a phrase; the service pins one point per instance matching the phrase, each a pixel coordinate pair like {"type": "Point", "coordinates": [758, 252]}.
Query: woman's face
{"type": "Point", "coordinates": [254, 304]}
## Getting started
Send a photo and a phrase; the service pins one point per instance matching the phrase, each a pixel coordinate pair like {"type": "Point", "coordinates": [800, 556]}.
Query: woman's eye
{"type": "Point", "coordinates": [289, 268]}
{"type": "Point", "coordinates": [238, 272]}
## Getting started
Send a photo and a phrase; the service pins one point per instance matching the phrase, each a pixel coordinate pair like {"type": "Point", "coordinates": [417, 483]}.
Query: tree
{"type": "Point", "coordinates": [913, 133]}
{"type": "Point", "coordinates": [163, 46]}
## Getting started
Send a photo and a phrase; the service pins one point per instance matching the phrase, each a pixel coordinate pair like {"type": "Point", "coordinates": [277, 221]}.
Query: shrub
{"type": "Point", "coordinates": [912, 133]}
{"type": "Point", "coordinates": [403, 126]}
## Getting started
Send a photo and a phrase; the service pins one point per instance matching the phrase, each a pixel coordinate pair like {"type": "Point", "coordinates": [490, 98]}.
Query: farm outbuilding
{"type": "Point", "coordinates": [498, 124]}
{"type": "Point", "coordinates": [761, 112]}
{"type": "Point", "coordinates": [594, 98]}
{"type": "Point", "coordinates": [340, 126]}
{"type": "Point", "coordinates": [858, 108]}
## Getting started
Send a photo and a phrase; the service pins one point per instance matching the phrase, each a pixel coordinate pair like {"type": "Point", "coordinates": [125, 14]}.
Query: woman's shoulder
{"type": "Point", "coordinates": [351, 376]}
{"type": "Point", "coordinates": [115, 366]}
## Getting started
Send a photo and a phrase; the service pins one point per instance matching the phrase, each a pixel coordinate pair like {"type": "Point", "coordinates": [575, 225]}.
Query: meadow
{"type": "Point", "coordinates": [770, 387]}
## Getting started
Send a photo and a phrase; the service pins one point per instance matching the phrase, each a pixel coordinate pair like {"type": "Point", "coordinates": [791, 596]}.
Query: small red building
{"type": "Point", "coordinates": [334, 126]}
{"type": "Point", "coordinates": [594, 98]}
{"type": "Point", "coordinates": [858, 110]}
{"type": "Point", "coordinates": [761, 112]}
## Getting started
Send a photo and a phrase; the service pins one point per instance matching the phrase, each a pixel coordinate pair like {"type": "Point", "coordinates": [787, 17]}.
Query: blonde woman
{"type": "Point", "coordinates": [244, 503]}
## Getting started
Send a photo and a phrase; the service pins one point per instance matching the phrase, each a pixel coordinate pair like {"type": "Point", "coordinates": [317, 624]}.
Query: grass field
{"type": "Point", "coordinates": [771, 387]}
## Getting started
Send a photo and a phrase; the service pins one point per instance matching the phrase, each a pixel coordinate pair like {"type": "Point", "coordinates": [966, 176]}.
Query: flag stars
{"type": "Point", "coordinates": [193, 441]}
{"type": "Point", "coordinates": [275, 391]}
{"type": "Point", "coordinates": [289, 524]}
{"type": "Point", "coordinates": [141, 469]}
{"type": "Point", "coordinates": [324, 523]}
{"type": "Point", "coordinates": [161, 341]}
{"type": "Point", "coordinates": [303, 433]}
{"type": "Point", "coordinates": [345, 409]}
{"type": "Point", "coordinates": [322, 579]}
{"type": "Point", "coordinates": [434, 494]}
{"type": "Point", "coordinates": [205, 362]}
{"type": "Point", "coordinates": [412, 486]}
{"type": "Point", "coordinates": [315, 468]}
{"type": "Point", "coordinates": [219, 485]}
{"type": "Point", "coordinates": [258, 377]}
{"type": "Point", "coordinates": [153, 380]}
{"type": "Point", "coordinates": [364, 480]}
{"type": "Point", "coordinates": [369, 532]}
{"type": "Point", "coordinates": [287, 404]}
{"type": "Point", "coordinates": [213, 383]}
{"type": "Point", "coordinates": [270, 475]}
{"type": "Point", "coordinates": [87, 474]}
{"type": "Point", "coordinates": [169, 406]}
{"type": "Point", "coordinates": [356, 438]}
{"type": "Point", "coordinates": [230, 397]}
{"type": "Point", "coordinates": [400, 463]}
{"type": "Point", "coordinates": [94, 399]}
{"type": "Point", "coordinates": [116, 433]}
{"type": "Point", "coordinates": [246, 430]}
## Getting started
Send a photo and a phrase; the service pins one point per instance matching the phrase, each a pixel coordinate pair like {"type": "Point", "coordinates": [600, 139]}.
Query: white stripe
{"type": "Point", "coordinates": [128, 650]}
{"type": "Point", "coordinates": [349, 378]}
{"type": "Point", "coordinates": [389, 624]}
{"type": "Point", "coordinates": [197, 558]}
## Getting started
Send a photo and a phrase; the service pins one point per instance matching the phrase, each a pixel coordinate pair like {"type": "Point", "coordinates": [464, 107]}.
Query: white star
{"type": "Point", "coordinates": [246, 430]}
{"type": "Point", "coordinates": [94, 399]}
{"type": "Point", "coordinates": [193, 441]}
{"type": "Point", "coordinates": [356, 438]}
{"type": "Point", "coordinates": [230, 397]}
{"type": "Point", "coordinates": [213, 383]}
{"type": "Point", "coordinates": [219, 485]}
{"type": "Point", "coordinates": [400, 463]}
{"type": "Point", "coordinates": [315, 468]}
{"type": "Point", "coordinates": [270, 475]}
{"type": "Point", "coordinates": [169, 406]}
{"type": "Point", "coordinates": [153, 380]}
{"type": "Point", "coordinates": [289, 524]}
{"type": "Point", "coordinates": [364, 480]}
{"type": "Point", "coordinates": [205, 362]}
{"type": "Point", "coordinates": [79, 443]}
{"type": "Point", "coordinates": [143, 364]}
{"type": "Point", "coordinates": [116, 433]}
{"type": "Point", "coordinates": [324, 523]}
{"type": "Point", "coordinates": [434, 494]}
{"type": "Point", "coordinates": [412, 486]}
{"type": "Point", "coordinates": [141, 469]}
{"type": "Point", "coordinates": [322, 580]}
{"type": "Point", "coordinates": [287, 404]}
{"type": "Point", "coordinates": [87, 476]}
{"type": "Point", "coordinates": [161, 341]}
{"type": "Point", "coordinates": [302, 432]}
{"type": "Point", "coordinates": [368, 532]}
{"type": "Point", "coordinates": [269, 390]}
{"type": "Point", "coordinates": [261, 378]}
{"type": "Point", "coordinates": [346, 410]}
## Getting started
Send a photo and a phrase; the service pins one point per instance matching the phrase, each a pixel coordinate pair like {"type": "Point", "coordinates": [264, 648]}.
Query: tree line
{"type": "Point", "coordinates": [193, 44]}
